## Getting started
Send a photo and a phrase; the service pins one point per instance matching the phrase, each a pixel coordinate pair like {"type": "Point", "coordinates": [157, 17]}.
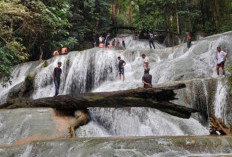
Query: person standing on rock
{"type": "Point", "coordinates": [123, 42]}
{"type": "Point", "coordinates": [56, 76]}
{"type": "Point", "coordinates": [188, 39]}
{"type": "Point", "coordinates": [41, 52]}
{"type": "Point", "coordinates": [221, 59]}
{"type": "Point", "coordinates": [121, 64]}
{"type": "Point", "coordinates": [100, 39]}
{"type": "Point", "coordinates": [151, 40]}
{"type": "Point", "coordinates": [147, 79]}
{"type": "Point", "coordinates": [107, 40]}
{"type": "Point", "coordinates": [145, 62]}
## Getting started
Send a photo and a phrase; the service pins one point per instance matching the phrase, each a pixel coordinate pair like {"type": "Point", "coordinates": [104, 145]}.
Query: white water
{"type": "Point", "coordinates": [96, 70]}
{"type": "Point", "coordinates": [220, 100]}
{"type": "Point", "coordinates": [139, 122]}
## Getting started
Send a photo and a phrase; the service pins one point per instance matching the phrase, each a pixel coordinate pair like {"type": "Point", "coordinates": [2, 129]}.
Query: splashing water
{"type": "Point", "coordinates": [220, 100]}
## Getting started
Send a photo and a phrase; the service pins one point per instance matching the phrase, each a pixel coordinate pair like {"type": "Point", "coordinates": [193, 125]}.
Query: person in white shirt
{"type": "Point", "coordinates": [221, 59]}
{"type": "Point", "coordinates": [100, 39]}
{"type": "Point", "coordinates": [145, 62]}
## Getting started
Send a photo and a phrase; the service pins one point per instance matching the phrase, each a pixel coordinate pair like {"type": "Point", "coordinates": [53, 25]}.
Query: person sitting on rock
{"type": "Point", "coordinates": [56, 76]}
{"type": "Point", "coordinates": [64, 50]}
{"type": "Point", "coordinates": [56, 53]}
{"type": "Point", "coordinates": [114, 43]}
{"type": "Point", "coordinates": [117, 44]}
{"type": "Point", "coordinates": [221, 59]}
{"type": "Point", "coordinates": [147, 79]}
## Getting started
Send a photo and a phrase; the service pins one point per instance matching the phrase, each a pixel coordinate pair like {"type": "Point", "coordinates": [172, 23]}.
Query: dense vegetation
{"type": "Point", "coordinates": [26, 24]}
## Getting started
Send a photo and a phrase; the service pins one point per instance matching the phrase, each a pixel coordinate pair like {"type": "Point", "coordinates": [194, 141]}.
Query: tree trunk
{"type": "Point", "coordinates": [217, 13]}
{"type": "Point", "coordinates": [177, 20]}
{"type": "Point", "coordinates": [158, 98]}
{"type": "Point", "coordinates": [113, 13]}
{"type": "Point", "coordinates": [130, 12]}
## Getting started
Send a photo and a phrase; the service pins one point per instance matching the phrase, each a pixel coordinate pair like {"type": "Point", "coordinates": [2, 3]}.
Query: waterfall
{"type": "Point", "coordinates": [138, 122]}
{"type": "Point", "coordinates": [95, 70]}
{"type": "Point", "coordinates": [221, 100]}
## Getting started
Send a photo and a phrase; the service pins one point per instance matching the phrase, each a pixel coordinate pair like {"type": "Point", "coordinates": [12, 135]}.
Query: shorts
{"type": "Point", "coordinates": [121, 71]}
{"type": "Point", "coordinates": [222, 64]}
{"type": "Point", "coordinates": [41, 53]}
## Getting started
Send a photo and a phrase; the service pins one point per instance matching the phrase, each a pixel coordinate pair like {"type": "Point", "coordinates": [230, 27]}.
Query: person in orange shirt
{"type": "Point", "coordinates": [56, 53]}
{"type": "Point", "coordinates": [64, 50]}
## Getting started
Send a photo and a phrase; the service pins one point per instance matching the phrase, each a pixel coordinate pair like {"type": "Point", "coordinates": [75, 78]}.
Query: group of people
{"type": "Point", "coordinates": [146, 79]}
{"type": "Point", "coordinates": [63, 51]}
{"type": "Point", "coordinates": [114, 44]}
{"type": "Point", "coordinates": [117, 44]}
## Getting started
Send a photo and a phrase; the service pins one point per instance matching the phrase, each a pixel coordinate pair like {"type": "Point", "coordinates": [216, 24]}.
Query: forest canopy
{"type": "Point", "coordinates": [26, 24]}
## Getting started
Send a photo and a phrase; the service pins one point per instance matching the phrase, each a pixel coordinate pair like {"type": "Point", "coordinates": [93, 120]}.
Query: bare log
{"type": "Point", "coordinates": [158, 98]}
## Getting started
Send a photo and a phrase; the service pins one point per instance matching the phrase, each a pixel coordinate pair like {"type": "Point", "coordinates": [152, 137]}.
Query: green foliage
{"type": "Point", "coordinates": [26, 24]}
{"type": "Point", "coordinates": [29, 82]}
{"type": "Point", "coordinates": [90, 18]}
{"type": "Point", "coordinates": [45, 64]}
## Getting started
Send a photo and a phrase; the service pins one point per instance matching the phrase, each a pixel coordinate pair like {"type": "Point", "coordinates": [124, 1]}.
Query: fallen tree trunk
{"type": "Point", "coordinates": [158, 98]}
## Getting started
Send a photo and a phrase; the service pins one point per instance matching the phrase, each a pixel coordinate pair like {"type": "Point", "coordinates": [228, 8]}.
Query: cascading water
{"type": "Point", "coordinates": [220, 100]}
{"type": "Point", "coordinates": [131, 43]}
{"type": "Point", "coordinates": [96, 70]}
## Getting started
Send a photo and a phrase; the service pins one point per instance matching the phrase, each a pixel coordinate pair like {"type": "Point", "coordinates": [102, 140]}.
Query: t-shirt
{"type": "Point", "coordinates": [151, 37]}
{"type": "Point", "coordinates": [57, 73]}
{"type": "Point", "coordinates": [107, 38]}
{"type": "Point", "coordinates": [220, 56]}
{"type": "Point", "coordinates": [188, 37]}
{"type": "Point", "coordinates": [120, 64]}
{"type": "Point", "coordinates": [100, 39]}
{"type": "Point", "coordinates": [147, 78]}
{"type": "Point", "coordinates": [145, 60]}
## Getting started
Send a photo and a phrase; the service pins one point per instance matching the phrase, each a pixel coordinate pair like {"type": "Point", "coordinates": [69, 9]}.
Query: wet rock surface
{"type": "Point", "coordinates": [121, 147]}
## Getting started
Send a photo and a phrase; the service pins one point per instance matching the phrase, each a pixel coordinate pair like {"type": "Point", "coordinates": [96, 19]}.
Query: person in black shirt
{"type": "Point", "coordinates": [121, 64]}
{"type": "Point", "coordinates": [107, 40]}
{"type": "Point", "coordinates": [56, 76]}
{"type": "Point", "coordinates": [147, 79]}
{"type": "Point", "coordinates": [151, 39]}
